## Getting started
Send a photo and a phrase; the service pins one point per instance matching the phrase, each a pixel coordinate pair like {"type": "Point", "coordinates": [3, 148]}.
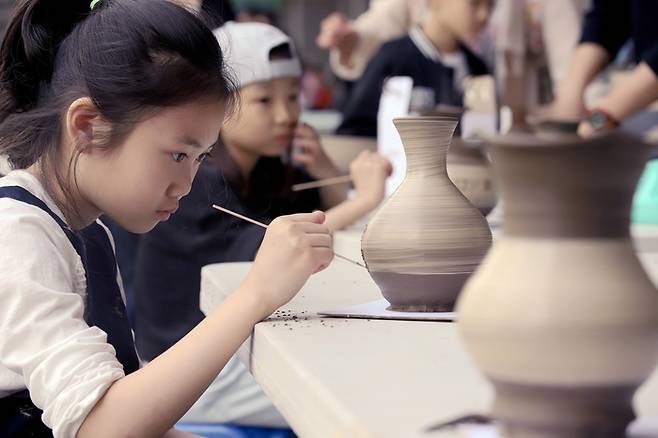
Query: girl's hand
{"type": "Point", "coordinates": [369, 172]}
{"type": "Point", "coordinates": [308, 152]}
{"type": "Point", "coordinates": [294, 247]}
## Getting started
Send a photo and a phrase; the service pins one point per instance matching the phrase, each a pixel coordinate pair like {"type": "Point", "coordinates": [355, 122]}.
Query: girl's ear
{"type": "Point", "coordinates": [85, 125]}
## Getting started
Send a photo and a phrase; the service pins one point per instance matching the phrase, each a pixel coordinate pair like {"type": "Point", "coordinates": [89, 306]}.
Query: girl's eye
{"type": "Point", "coordinates": [203, 157]}
{"type": "Point", "coordinates": [294, 97]}
{"type": "Point", "coordinates": [178, 156]}
{"type": "Point", "coordinates": [264, 100]}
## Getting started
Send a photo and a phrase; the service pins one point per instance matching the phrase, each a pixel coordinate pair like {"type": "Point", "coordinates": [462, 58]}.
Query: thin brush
{"type": "Point", "coordinates": [260, 224]}
{"type": "Point", "coordinates": [321, 183]}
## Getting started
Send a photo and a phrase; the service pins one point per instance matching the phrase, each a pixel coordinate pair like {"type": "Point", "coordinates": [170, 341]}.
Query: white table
{"type": "Point", "coordinates": [360, 378]}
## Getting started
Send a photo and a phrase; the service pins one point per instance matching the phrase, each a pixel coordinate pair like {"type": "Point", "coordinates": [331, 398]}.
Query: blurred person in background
{"type": "Point", "coordinates": [353, 43]}
{"type": "Point", "coordinates": [532, 42]}
{"type": "Point", "coordinates": [261, 11]}
{"type": "Point", "coordinates": [434, 55]}
{"type": "Point", "coordinates": [608, 25]}
{"type": "Point", "coordinates": [528, 41]}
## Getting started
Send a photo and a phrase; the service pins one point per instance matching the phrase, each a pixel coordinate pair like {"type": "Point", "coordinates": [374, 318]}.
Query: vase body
{"type": "Point", "coordinates": [426, 239]}
{"type": "Point", "coordinates": [470, 171]}
{"type": "Point", "coordinates": [560, 316]}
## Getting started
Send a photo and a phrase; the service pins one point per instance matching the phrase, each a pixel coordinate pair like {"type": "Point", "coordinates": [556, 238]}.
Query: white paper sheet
{"type": "Point", "coordinates": [394, 102]}
{"type": "Point", "coordinates": [379, 310]}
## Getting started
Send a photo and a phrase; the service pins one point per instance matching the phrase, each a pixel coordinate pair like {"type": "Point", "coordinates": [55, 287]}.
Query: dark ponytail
{"type": "Point", "coordinates": [27, 58]}
{"type": "Point", "coordinates": [29, 48]}
{"type": "Point", "coordinates": [131, 57]}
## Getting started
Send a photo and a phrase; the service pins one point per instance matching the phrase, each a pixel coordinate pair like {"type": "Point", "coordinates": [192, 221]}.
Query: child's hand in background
{"type": "Point", "coordinates": [337, 32]}
{"type": "Point", "coordinates": [294, 247]}
{"type": "Point", "coordinates": [369, 172]}
{"type": "Point", "coordinates": [307, 151]}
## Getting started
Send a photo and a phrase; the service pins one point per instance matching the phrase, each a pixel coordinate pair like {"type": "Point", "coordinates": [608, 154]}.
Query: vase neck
{"type": "Point", "coordinates": [426, 142]}
{"type": "Point", "coordinates": [571, 188]}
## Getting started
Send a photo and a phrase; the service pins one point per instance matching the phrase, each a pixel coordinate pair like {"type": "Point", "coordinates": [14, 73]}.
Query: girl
{"type": "Point", "coordinates": [111, 110]}
{"type": "Point", "coordinates": [263, 151]}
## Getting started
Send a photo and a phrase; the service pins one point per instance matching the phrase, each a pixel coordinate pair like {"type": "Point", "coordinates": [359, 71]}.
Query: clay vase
{"type": "Point", "coordinates": [470, 171]}
{"type": "Point", "coordinates": [560, 316]}
{"type": "Point", "coordinates": [426, 239]}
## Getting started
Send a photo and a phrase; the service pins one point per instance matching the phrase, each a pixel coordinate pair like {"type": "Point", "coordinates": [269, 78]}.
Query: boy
{"type": "Point", "coordinates": [434, 55]}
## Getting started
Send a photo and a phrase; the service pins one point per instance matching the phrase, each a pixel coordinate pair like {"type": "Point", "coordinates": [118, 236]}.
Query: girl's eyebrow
{"type": "Point", "coordinates": [190, 142]}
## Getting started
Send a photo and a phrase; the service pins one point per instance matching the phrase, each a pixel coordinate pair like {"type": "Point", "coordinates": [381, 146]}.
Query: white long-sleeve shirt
{"type": "Point", "coordinates": [45, 344]}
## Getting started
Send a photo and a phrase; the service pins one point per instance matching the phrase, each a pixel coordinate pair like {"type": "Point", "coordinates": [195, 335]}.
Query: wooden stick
{"type": "Point", "coordinates": [238, 215]}
{"type": "Point", "coordinates": [321, 183]}
{"type": "Point", "coordinates": [260, 224]}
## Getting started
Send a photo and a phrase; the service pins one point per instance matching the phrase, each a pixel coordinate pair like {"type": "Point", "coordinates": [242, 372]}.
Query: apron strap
{"type": "Point", "coordinates": [104, 308]}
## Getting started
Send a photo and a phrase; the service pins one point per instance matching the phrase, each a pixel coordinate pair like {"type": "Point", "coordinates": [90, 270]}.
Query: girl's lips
{"type": "Point", "coordinates": [284, 139]}
{"type": "Point", "coordinates": [169, 211]}
{"type": "Point", "coordinates": [163, 215]}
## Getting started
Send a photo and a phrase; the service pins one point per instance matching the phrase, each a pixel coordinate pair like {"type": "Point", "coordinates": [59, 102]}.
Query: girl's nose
{"type": "Point", "coordinates": [182, 185]}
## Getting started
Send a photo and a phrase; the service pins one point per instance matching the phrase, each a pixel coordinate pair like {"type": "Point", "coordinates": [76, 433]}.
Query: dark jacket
{"type": "Point", "coordinates": [610, 23]}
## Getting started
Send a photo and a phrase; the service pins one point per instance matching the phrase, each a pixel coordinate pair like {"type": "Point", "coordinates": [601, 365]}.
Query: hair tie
{"type": "Point", "coordinates": [93, 4]}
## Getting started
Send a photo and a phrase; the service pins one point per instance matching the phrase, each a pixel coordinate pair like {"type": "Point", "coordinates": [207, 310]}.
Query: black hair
{"type": "Point", "coordinates": [217, 12]}
{"type": "Point", "coordinates": [132, 58]}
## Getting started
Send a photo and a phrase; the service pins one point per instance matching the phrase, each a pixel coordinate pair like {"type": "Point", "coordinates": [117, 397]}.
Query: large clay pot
{"type": "Point", "coordinates": [560, 316]}
{"type": "Point", "coordinates": [426, 239]}
{"type": "Point", "coordinates": [470, 171]}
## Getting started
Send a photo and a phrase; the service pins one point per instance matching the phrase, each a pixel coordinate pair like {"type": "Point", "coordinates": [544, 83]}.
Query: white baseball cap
{"type": "Point", "coordinates": [246, 48]}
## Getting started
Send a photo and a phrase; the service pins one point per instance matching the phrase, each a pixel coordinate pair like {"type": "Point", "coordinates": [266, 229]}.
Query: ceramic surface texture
{"type": "Point", "coordinates": [427, 238]}
{"type": "Point", "coordinates": [470, 171]}
{"type": "Point", "coordinates": [560, 316]}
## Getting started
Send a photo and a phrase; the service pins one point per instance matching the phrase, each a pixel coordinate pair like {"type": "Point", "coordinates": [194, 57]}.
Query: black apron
{"type": "Point", "coordinates": [104, 308]}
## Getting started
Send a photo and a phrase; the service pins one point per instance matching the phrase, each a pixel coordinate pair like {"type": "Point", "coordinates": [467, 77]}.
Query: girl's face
{"type": "Point", "coordinates": [268, 115]}
{"type": "Point", "coordinates": [140, 182]}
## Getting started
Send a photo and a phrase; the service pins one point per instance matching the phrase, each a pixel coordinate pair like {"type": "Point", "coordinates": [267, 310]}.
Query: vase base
{"type": "Point", "coordinates": [421, 308]}
{"type": "Point", "coordinates": [420, 292]}
{"type": "Point", "coordinates": [534, 411]}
